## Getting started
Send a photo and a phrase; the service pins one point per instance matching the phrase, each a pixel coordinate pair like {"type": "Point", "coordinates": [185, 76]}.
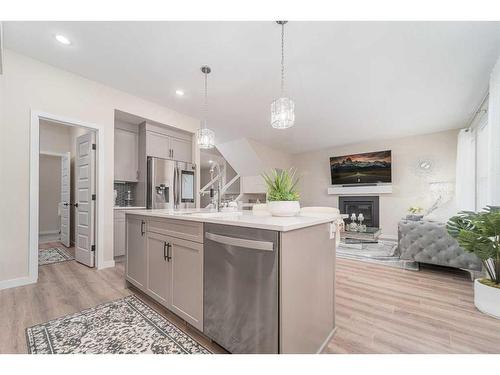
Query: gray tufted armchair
{"type": "Point", "coordinates": [429, 242]}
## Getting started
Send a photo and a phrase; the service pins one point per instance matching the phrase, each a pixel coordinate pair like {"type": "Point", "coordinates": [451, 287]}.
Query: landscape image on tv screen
{"type": "Point", "coordinates": [370, 167]}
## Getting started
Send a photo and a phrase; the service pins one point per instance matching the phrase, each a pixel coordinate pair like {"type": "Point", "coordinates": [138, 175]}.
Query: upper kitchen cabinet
{"type": "Point", "coordinates": [126, 153]}
{"type": "Point", "coordinates": [165, 143]}
{"type": "Point", "coordinates": [158, 145]}
{"type": "Point", "coordinates": [181, 149]}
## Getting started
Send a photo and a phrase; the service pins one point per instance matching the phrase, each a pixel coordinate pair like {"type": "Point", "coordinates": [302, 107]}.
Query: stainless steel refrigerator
{"type": "Point", "coordinates": [170, 184]}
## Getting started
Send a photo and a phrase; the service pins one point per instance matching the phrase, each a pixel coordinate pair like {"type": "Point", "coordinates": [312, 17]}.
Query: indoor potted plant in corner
{"type": "Point", "coordinates": [283, 199]}
{"type": "Point", "coordinates": [479, 233]}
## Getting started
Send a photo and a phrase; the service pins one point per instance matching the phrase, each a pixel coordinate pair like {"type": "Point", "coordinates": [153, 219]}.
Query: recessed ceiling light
{"type": "Point", "coordinates": [179, 92]}
{"type": "Point", "coordinates": [210, 161]}
{"type": "Point", "coordinates": [62, 39]}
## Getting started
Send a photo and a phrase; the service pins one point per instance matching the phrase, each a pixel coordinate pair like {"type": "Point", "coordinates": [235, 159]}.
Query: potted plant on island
{"type": "Point", "coordinates": [479, 233]}
{"type": "Point", "coordinates": [283, 199]}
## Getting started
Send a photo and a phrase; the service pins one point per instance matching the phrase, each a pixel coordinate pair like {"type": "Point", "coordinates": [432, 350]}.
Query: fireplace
{"type": "Point", "coordinates": [368, 206]}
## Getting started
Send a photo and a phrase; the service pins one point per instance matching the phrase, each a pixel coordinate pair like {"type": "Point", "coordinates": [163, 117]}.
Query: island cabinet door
{"type": "Point", "coordinates": [158, 248]}
{"type": "Point", "coordinates": [186, 281]}
{"type": "Point", "coordinates": [136, 251]}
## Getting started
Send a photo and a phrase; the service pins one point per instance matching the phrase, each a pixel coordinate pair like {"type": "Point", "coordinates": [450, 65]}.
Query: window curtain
{"type": "Point", "coordinates": [482, 165]}
{"type": "Point", "coordinates": [493, 131]}
{"type": "Point", "coordinates": [466, 170]}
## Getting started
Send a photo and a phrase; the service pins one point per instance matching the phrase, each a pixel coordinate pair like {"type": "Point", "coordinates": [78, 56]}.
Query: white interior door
{"type": "Point", "coordinates": [85, 209]}
{"type": "Point", "coordinates": [65, 198]}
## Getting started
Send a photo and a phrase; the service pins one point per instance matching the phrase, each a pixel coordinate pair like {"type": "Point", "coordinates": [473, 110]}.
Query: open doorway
{"type": "Point", "coordinates": [67, 165]}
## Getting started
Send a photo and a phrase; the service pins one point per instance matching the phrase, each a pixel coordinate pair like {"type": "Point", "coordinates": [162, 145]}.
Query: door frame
{"type": "Point", "coordinates": [36, 116]}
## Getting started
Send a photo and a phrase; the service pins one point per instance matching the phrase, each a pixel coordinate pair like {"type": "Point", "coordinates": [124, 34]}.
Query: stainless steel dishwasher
{"type": "Point", "coordinates": [241, 288]}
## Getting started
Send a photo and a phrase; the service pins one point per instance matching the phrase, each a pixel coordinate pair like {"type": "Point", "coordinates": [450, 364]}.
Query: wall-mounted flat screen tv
{"type": "Point", "coordinates": [367, 168]}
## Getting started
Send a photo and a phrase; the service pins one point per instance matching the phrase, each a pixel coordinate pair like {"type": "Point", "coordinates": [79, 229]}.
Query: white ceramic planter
{"type": "Point", "coordinates": [487, 299]}
{"type": "Point", "coordinates": [283, 208]}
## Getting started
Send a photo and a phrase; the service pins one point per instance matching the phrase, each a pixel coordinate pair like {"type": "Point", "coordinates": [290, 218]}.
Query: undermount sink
{"type": "Point", "coordinates": [215, 214]}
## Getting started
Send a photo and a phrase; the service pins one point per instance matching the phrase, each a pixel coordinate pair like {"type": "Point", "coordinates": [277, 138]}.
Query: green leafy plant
{"type": "Point", "coordinates": [281, 185]}
{"type": "Point", "coordinates": [415, 210]}
{"type": "Point", "coordinates": [479, 233]}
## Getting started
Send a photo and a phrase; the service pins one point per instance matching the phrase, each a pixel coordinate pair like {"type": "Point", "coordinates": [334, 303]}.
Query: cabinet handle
{"type": "Point", "coordinates": [169, 247]}
{"type": "Point", "coordinates": [165, 256]}
{"type": "Point", "coordinates": [142, 227]}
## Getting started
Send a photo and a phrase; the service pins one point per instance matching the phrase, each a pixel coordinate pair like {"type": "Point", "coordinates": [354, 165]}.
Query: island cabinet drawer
{"type": "Point", "coordinates": [188, 230]}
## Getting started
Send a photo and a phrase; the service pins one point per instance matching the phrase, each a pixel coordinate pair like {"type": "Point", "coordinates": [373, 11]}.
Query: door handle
{"type": "Point", "coordinates": [165, 256]}
{"type": "Point", "coordinates": [240, 242]}
{"type": "Point", "coordinates": [142, 227]}
{"type": "Point", "coordinates": [65, 204]}
{"type": "Point", "coordinates": [76, 205]}
{"type": "Point", "coordinates": [169, 248]}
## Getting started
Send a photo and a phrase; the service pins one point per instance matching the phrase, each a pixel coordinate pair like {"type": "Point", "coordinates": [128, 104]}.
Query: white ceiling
{"type": "Point", "coordinates": [351, 81]}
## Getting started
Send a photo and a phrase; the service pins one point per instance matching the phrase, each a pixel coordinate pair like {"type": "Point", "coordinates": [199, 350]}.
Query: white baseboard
{"type": "Point", "coordinates": [49, 236]}
{"type": "Point", "coordinates": [44, 232]}
{"type": "Point", "coordinates": [12, 283]}
{"type": "Point", "coordinates": [106, 264]}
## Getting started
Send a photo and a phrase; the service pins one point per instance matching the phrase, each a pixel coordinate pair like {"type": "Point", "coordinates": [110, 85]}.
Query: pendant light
{"type": "Point", "coordinates": [205, 137]}
{"type": "Point", "coordinates": [283, 108]}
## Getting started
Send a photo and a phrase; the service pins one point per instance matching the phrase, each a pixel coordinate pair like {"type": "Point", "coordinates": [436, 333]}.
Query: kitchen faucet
{"type": "Point", "coordinates": [216, 201]}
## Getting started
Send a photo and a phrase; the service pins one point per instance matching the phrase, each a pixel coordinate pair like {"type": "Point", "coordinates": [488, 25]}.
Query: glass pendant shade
{"type": "Point", "coordinates": [205, 137]}
{"type": "Point", "coordinates": [282, 113]}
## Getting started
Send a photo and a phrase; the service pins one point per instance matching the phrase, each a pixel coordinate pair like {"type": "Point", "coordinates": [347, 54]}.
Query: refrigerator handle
{"type": "Point", "coordinates": [176, 187]}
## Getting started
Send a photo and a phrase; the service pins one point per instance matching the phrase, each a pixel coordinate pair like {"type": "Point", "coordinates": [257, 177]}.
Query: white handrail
{"type": "Point", "coordinates": [202, 190]}
{"type": "Point", "coordinates": [233, 180]}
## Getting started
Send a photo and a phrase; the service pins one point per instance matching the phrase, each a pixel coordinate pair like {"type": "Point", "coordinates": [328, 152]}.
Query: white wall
{"type": "Point", "coordinates": [409, 188]}
{"type": "Point", "coordinates": [49, 193]}
{"type": "Point", "coordinates": [28, 85]}
{"type": "Point", "coordinates": [270, 157]}
{"type": "Point", "coordinates": [251, 158]}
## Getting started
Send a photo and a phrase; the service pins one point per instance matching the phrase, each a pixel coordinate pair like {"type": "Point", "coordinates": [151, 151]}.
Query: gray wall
{"type": "Point", "coordinates": [50, 193]}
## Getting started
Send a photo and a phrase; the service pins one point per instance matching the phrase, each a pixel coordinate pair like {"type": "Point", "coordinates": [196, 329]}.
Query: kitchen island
{"type": "Point", "coordinates": [252, 283]}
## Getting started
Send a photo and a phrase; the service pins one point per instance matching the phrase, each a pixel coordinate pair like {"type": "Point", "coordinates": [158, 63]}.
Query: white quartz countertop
{"type": "Point", "coordinates": [129, 208]}
{"type": "Point", "coordinates": [241, 218]}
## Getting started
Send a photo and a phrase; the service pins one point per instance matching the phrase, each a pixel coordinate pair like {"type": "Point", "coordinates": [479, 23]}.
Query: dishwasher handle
{"type": "Point", "coordinates": [240, 242]}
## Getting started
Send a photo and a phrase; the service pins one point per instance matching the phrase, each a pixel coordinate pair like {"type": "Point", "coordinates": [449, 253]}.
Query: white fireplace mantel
{"type": "Point", "coordinates": [360, 190]}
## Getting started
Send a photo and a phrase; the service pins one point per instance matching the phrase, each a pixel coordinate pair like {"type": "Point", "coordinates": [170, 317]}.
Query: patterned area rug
{"type": "Point", "coordinates": [124, 326]}
{"type": "Point", "coordinates": [53, 255]}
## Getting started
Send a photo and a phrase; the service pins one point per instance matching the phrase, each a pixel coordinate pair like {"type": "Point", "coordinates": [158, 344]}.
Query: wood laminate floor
{"type": "Point", "coordinates": [388, 310]}
{"type": "Point", "coordinates": [65, 288]}
{"type": "Point", "coordinates": [378, 309]}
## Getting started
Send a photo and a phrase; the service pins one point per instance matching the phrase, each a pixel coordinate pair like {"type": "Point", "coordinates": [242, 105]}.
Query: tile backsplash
{"type": "Point", "coordinates": [122, 189]}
